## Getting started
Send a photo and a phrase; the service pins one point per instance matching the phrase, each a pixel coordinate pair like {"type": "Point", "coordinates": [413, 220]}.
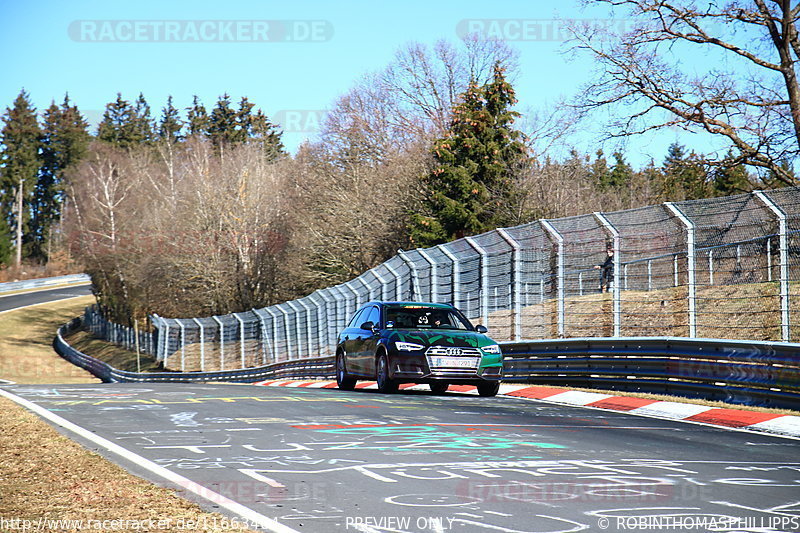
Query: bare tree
{"type": "Point", "coordinates": [745, 93]}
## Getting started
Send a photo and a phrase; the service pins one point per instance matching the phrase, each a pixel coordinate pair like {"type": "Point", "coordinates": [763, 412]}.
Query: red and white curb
{"type": "Point", "coordinates": [773, 423]}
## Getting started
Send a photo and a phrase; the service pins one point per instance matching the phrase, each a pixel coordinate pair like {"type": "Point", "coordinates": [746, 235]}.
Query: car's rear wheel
{"type": "Point", "coordinates": [385, 384]}
{"type": "Point", "coordinates": [488, 388]}
{"type": "Point", "coordinates": [343, 379]}
{"type": "Point", "coordinates": [439, 387]}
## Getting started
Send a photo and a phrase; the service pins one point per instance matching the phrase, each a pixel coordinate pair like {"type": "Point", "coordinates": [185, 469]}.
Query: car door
{"type": "Point", "coordinates": [362, 339]}
{"type": "Point", "coordinates": [351, 343]}
{"type": "Point", "coordinates": [370, 342]}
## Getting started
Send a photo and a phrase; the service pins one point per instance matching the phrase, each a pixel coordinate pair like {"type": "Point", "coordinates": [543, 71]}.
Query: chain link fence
{"type": "Point", "coordinates": [716, 268]}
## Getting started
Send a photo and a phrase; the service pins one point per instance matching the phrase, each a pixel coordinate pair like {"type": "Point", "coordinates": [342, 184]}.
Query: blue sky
{"type": "Point", "coordinates": [357, 37]}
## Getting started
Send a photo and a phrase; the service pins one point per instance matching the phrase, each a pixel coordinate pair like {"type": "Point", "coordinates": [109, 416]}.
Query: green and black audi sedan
{"type": "Point", "coordinates": [410, 342]}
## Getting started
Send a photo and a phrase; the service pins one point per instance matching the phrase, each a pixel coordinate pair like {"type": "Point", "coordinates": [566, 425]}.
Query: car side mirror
{"type": "Point", "coordinates": [481, 329]}
{"type": "Point", "coordinates": [369, 325]}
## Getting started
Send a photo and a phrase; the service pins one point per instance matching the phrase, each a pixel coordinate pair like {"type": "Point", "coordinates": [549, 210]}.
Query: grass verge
{"type": "Point", "coordinates": [46, 476]}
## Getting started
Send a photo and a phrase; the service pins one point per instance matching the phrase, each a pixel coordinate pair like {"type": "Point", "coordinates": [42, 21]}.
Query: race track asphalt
{"type": "Point", "coordinates": [14, 301]}
{"type": "Point", "coordinates": [324, 460]}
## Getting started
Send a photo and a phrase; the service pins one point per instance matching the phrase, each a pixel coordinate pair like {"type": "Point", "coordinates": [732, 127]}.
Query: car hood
{"type": "Point", "coordinates": [463, 339]}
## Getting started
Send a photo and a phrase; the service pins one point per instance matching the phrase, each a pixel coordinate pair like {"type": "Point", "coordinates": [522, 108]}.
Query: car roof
{"type": "Point", "coordinates": [403, 304]}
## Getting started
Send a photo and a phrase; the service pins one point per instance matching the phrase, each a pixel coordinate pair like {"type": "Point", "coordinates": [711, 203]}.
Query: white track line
{"type": "Point", "coordinates": [187, 484]}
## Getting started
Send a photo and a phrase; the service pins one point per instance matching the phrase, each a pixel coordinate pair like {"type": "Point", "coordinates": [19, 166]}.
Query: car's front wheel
{"type": "Point", "coordinates": [385, 384]}
{"type": "Point", "coordinates": [343, 379]}
{"type": "Point", "coordinates": [488, 388]}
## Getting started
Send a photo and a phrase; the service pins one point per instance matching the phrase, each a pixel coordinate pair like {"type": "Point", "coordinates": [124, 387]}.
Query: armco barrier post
{"type": "Point", "coordinates": [784, 262]}
{"type": "Point", "coordinates": [616, 290]}
{"type": "Point", "coordinates": [456, 279]}
{"type": "Point", "coordinates": [434, 281]}
{"type": "Point", "coordinates": [484, 295]}
{"type": "Point", "coordinates": [689, 225]}
{"type": "Point", "coordinates": [559, 274]}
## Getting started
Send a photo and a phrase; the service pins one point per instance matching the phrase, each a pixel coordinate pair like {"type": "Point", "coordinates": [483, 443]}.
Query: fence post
{"type": "Point", "coordinates": [241, 340]}
{"type": "Point", "coordinates": [689, 225]}
{"type": "Point", "coordinates": [560, 273]}
{"type": "Point", "coordinates": [286, 331]}
{"type": "Point", "coordinates": [221, 342]}
{"type": "Point", "coordinates": [366, 286]}
{"type": "Point", "coordinates": [433, 278]}
{"type": "Point", "coordinates": [516, 270]}
{"type": "Point", "coordinates": [617, 289]}
{"type": "Point", "coordinates": [202, 346]}
{"type": "Point", "coordinates": [415, 290]}
{"type": "Point", "coordinates": [484, 299]}
{"type": "Point", "coordinates": [382, 281]}
{"type": "Point", "coordinates": [358, 301]}
{"type": "Point", "coordinates": [297, 334]}
{"type": "Point", "coordinates": [308, 327]}
{"type": "Point", "coordinates": [327, 314]}
{"type": "Point", "coordinates": [398, 284]}
{"type": "Point", "coordinates": [456, 279]}
{"type": "Point", "coordinates": [183, 344]}
{"type": "Point", "coordinates": [264, 337]}
{"type": "Point", "coordinates": [274, 343]}
{"type": "Point", "coordinates": [322, 321]}
{"type": "Point", "coordinates": [784, 262]}
{"type": "Point", "coordinates": [341, 307]}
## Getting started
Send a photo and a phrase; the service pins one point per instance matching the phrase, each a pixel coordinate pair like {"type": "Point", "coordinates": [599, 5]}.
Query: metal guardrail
{"type": "Point", "coordinates": [43, 282]}
{"type": "Point", "coordinates": [742, 372]}
{"type": "Point", "coordinates": [739, 372]}
{"type": "Point", "coordinates": [317, 368]}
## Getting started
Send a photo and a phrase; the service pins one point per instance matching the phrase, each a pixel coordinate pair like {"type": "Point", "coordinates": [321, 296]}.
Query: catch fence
{"type": "Point", "coordinates": [715, 268]}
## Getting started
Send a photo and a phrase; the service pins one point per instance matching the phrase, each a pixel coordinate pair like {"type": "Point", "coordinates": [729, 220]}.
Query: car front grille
{"type": "Point", "coordinates": [453, 359]}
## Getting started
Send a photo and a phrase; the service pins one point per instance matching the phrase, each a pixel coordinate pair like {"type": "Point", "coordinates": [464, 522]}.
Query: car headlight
{"type": "Point", "coordinates": [492, 349]}
{"type": "Point", "coordinates": [408, 346]}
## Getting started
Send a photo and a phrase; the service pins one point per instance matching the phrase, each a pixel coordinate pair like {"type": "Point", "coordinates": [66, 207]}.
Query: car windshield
{"type": "Point", "coordinates": [422, 317]}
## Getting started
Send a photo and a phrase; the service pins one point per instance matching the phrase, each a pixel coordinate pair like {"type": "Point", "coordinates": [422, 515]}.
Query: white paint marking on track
{"type": "Point", "coordinates": [185, 483]}
{"type": "Point", "coordinates": [671, 409]}
{"type": "Point", "coordinates": [576, 397]}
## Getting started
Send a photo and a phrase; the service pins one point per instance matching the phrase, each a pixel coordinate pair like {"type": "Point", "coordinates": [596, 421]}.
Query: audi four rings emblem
{"type": "Point", "coordinates": [453, 351]}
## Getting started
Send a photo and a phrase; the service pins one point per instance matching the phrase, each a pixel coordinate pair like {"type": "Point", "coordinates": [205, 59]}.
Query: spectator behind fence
{"type": "Point", "coordinates": [606, 270]}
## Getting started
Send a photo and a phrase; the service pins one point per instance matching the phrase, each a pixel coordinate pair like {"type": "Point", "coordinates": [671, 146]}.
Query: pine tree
{"type": "Point", "coordinates": [267, 135]}
{"type": "Point", "coordinates": [20, 160]}
{"type": "Point", "coordinates": [684, 175]}
{"type": "Point", "coordinates": [222, 127]}
{"type": "Point", "coordinates": [197, 118]}
{"type": "Point", "coordinates": [621, 173]}
{"type": "Point", "coordinates": [599, 170]}
{"type": "Point", "coordinates": [731, 180]}
{"type": "Point", "coordinates": [143, 124]}
{"type": "Point", "coordinates": [470, 187]}
{"type": "Point", "coordinates": [6, 242]}
{"type": "Point", "coordinates": [65, 143]}
{"type": "Point", "coordinates": [118, 126]}
{"type": "Point", "coordinates": [169, 129]}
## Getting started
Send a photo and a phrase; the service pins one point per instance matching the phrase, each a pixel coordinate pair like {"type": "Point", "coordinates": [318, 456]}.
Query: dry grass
{"type": "Point", "coordinates": [45, 475]}
{"type": "Point", "coordinates": [112, 354]}
{"type": "Point", "coordinates": [26, 337]}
